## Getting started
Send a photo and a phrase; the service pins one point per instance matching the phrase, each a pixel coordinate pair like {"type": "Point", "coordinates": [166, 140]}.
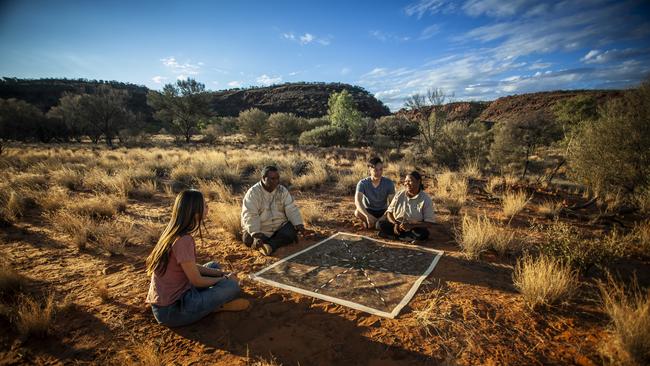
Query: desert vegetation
{"type": "Point", "coordinates": [540, 250]}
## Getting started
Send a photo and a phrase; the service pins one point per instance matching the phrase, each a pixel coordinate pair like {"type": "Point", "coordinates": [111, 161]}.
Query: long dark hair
{"type": "Point", "coordinates": [187, 218]}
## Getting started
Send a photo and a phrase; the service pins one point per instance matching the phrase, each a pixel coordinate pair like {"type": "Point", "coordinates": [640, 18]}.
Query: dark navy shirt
{"type": "Point", "coordinates": [376, 198]}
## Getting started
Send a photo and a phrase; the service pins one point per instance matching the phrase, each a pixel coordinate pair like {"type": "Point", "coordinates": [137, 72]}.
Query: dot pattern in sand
{"type": "Point", "coordinates": [374, 276]}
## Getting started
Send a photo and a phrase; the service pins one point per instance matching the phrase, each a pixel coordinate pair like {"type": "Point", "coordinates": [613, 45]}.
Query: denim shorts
{"type": "Point", "coordinates": [196, 303]}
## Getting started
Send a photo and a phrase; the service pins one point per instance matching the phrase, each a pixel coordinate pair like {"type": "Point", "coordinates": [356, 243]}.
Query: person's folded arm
{"type": "Point", "coordinates": [250, 217]}
{"type": "Point", "coordinates": [195, 277]}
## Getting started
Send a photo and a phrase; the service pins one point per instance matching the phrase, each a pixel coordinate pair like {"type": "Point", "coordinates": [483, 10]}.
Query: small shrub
{"type": "Point", "coordinates": [544, 281]}
{"type": "Point", "coordinates": [325, 136]}
{"type": "Point", "coordinates": [253, 123]}
{"type": "Point", "coordinates": [513, 203]}
{"type": "Point", "coordinates": [565, 242]}
{"type": "Point", "coordinates": [493, 185]}
{"type": "Point", "coordinates": [33, 317]}
{"type": "Point", "coordinates": [630, 314]}
{"type": "Point", "coordinates": [285, 127]}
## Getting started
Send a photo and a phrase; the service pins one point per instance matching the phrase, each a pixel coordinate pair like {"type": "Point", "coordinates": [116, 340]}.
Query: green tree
{"type": "Point", "coordinates": [430, 126]}
{"type": "Point", "coordinates": [285, 127]}
{"type": "Point", "coordinates": [325, 136]}
{"type": "Point", "coordinates": [612, 154]}
{"type": "Point", "coordinates": [18, 120]}
{"type": "Point", "coordinates": [68, 110]}
{"type": "Point", "coordinates": [106, 112]}
{"type": "Point", "coordinates": [254, 123]}
{"type": "Point", "coordinates": [184, 105]}
{"type": "Point", "coordinates": [515, 140]}
{"type": "Point", "coordinates": [398, 130]}
{"type": "Point", "coordinates": [342, 113]}
{"type": "Point", "coordinates": [460, 143]}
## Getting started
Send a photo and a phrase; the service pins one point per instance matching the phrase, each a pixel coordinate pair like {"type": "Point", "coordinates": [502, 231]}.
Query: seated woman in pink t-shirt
{"type": "Point", "coordinates": [181, 291]}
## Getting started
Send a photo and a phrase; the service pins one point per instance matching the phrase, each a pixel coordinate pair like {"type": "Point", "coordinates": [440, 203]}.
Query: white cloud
{"type": "Point", "coordinates": [429, 31]}
{"type": "Point", "coordinates": [496, 8]}
{"type": "Point", "coordinates": [306, 38]}
{"type": "Point", "coordinates": [385, 37]}
{"type": "Point", "coordinates": [345, 71]}
{"type": "Point", "coordinates": [182, 70]}
{"type": "Point", "coordinates": [268, 80]}
{"type": "Point", "coordinates": [158, 79]}
{"type": "Point", "coordinates": [428, 6]}
{"type": "Point", "coordinates": [234, 84]}
{"type": "Point", "coordinates": [540, 65]}
{"type": "Point", "coordinates": [600, 57]}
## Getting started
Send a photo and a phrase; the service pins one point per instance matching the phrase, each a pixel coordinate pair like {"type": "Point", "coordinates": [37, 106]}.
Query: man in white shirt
{"type": "Point", "coordinates": [270, 217]}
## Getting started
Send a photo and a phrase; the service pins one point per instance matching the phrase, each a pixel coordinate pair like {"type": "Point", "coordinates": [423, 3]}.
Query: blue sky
{"type": "Point", "coordinates": [475, 49]}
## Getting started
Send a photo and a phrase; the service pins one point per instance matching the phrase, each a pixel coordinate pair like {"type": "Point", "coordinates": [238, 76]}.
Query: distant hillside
{"type": "Point", "coordinates": [302, 99]}
{"type": "Point", "coordinates": [511, 106]}
{"type": "Point", "coordinates": [45, 93]}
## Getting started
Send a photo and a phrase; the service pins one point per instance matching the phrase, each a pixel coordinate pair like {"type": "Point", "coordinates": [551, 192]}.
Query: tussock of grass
{"type": "Point", "coordinates": [10, 281]}
{"type": "Point", "coordinates": [311, 213]}
{"type": "Point", "coordinates": [493, 185]}
{"type": "Point", "coordinates": [102, 206]}
{"type": "Point", "coordinates": [550, 209]}
{"type": "Point", "coordinates": [145, 190]}
{"type": "Point", "coordinates": [228, 217]}
{"type": "Point", "coordinates": [216, 190]}
{"type": "Point", "coordinates": [513, 202]}
{"type": "Point", "coordinates": [52, 199]}
{"type": "Point", "coordinates": [68, 178]}
{"type": "Point", "coordinates": [12, 205]}
{"type": "Point", "coordinates": [480, 234]}
{"type": "Point", "coordinates": [451, 190]}
{"type": "Point", "coordinates": [544, 281]}
{"type": "Point", "coordinates": [145, 355]}
{"type": "Point", "coordinates": [347, 179]}
{"type": "Point", "coordinates": [101, 290]}
{"type": "Point", "coordinates": [314, 178]}
{"type": "Point", "coordinates": [427, 317]}
{"type": "Point", "coordinates": [34, 316]}
{"type": "Point", "coordinates": [29, 181]}
{"type": "Point", "coordinates": [471, 170]}
{"type": "Point", "coordinates": [629, 311]}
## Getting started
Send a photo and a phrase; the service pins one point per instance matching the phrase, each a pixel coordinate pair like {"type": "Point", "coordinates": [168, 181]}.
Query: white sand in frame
{"type": "Point", "coordinates": [436, 254]}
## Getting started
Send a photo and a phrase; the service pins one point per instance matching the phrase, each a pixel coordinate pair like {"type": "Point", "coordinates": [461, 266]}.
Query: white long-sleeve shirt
{"type": "Point", "coordinates": [265, 212]}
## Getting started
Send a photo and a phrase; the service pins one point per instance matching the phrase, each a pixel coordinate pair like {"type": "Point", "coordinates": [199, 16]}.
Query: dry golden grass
{"type": "Point", "coordinates": [100, 206]}
{"type": "Point", "coordinates": [112, 236]}
{"type": "Point", "coordinates": [145, 190]}
{"type": "Point", "coordinates": [544, 281]}
{"type": "Point", "coordinates": [451, 190]}
{"type": "Point", "coordinates": [101, 290]}
{"type": "Point", "coordinates": [347, 179]}
{"type": "Point", "coordinates": [629, 311]}
{"type": "Point", "coordinates": [12, 205]}
{"type": "Point", "coordinates": [75, 226]}
{"type": "Point", "coordinates": [146, 354]}
{"type": "Point", "coordinates": [68, 178]}
{"type": "Point", "coordinates": [311, 213]}
{"type": "Point", "coordinates": [511, 180]}
{"type": "Point", "coordinates": [52, 199]}
{"type": "Point", "coordinates": [227, 217]}
{"type": "Point", "coordinates": [10, 281]}
{"type": "Point", "coordinates": [149, 232]}
{"type": "Point", "coordinates": [427, 317]}
{"type": "Point", "coordinates": [513, 202]}
{"type": "Point", "coordinates": [29, 181]}
{"type": "Point", "coordinates": [480, 234]}
{"type": "Point", "coordinates": [493, 185]}
{"type": "Point", "coordinates": [550, 209]}
{"type": "Point", "coordinates": [316, 177]}
{"type": "Point", "coordinates": [471, 170]}
{"type": "Point", "coordinates": [34, 316]}
{"type": "Point", "coordinates": [216, 190]}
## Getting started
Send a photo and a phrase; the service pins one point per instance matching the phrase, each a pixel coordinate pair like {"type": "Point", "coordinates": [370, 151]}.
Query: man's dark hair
{"type": "Point", "coordinates": [267, 169]}
{"type": "Point", "coordinates": [374, 161]}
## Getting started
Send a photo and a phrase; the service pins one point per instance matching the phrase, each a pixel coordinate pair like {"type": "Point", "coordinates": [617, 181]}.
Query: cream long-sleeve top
{"type": "Point", "coordinates": [265, 212]}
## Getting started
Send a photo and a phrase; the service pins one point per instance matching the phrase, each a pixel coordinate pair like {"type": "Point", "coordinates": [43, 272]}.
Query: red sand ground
{"type": "Point", "coordinates": [479, 317]}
